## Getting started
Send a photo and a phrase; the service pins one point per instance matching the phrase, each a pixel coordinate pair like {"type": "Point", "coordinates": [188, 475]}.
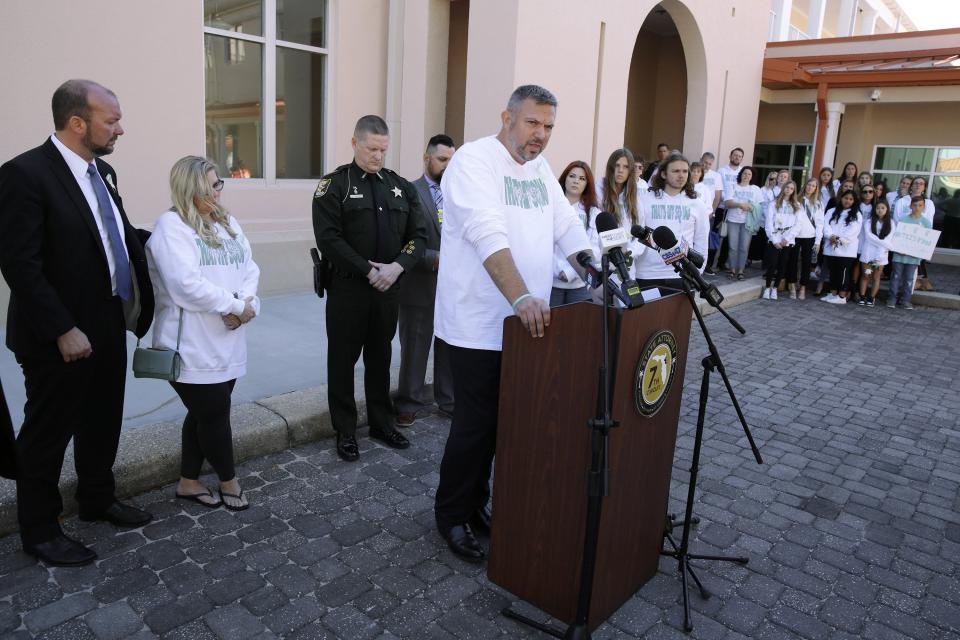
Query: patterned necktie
{"type": "Point", "coordinates": [438, 200]}
{"type": "Point", "coordinates": [122, 264]}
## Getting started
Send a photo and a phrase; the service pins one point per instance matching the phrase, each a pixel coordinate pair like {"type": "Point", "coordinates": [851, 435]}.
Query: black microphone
{"type": "Point", "coordinates": [692, 255]}
{"type": "Point", "coordinates": [641, 232]}
{"type": "Point", "coordinates": [673, 254]}
{"type": "Point", "coordinates": [585, 259]}
{"type": "Point", "coordinates": [612, 241]}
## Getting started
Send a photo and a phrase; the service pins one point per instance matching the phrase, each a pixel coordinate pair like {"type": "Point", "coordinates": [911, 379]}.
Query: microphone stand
{"type": "Point", "coordinates": [598, 486]}
{"type": "Point", "coordinates": [710, 363]}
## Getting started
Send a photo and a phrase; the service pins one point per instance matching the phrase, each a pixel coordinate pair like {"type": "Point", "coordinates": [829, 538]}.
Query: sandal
{"type": "Point", "coordinates": [731, 275]}
{"type": "Point", "coordinates": [198, 498]}
{"type": "Point", "coordinates": [739, 276]}
{"type": "Point", "coordinates": [243, 506]}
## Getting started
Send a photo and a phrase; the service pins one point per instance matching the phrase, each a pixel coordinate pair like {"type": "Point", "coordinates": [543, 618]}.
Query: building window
{"type": "Point", "coordinates": [940, 167]}
{"type": "Point", "coordinates": [265, 64]}
{"type": "Point", "coordinates": [773, 157]}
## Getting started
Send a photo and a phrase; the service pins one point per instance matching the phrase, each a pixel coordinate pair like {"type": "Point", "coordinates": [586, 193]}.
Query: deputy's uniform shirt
{"type": "Point", "coordinates": [347, 209]}
{"type": "Point", "coordinates": [491, 202]}
{"type": "Point", "coordinates": [688, 218]}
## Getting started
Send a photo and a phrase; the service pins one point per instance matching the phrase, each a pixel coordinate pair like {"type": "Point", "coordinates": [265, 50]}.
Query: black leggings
{"type": "Point", "coordinates": [841, 273]}
{"type": "Point", "coordinates": [206, 429]}
{"type": "Point", "coordinates": [775, 261]}
{"type": "Point", "coordinates": [803, 250]}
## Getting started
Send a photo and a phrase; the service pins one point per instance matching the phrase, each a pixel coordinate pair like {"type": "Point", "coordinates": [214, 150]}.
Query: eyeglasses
{"type": "Point", "coordinates": [867, 191]}
{"type": "Point", "coordinates": [218, 185]}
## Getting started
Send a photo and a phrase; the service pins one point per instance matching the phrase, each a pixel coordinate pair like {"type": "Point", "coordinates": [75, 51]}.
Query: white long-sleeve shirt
{"type": "Point", "coordinates": [874, 248]}
{"type": "Point", "coordinates": [688, 218]}
{"type": "Point", "coordinates": [782, 223]}
{"type": "Point", "coordinates": [848, 235]}
{"type": "Point", "coordinates": [491, 202]}
{"type": "Point", "coordinates": [562, 264]}
{"type": "Point", "coordinates": [811, 221]}
{"type": "Point", "coordinates": [207, 283]}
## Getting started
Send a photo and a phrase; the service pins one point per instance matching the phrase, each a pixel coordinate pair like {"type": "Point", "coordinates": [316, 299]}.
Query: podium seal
{"type": "Point", "coordinates": [655, 372]}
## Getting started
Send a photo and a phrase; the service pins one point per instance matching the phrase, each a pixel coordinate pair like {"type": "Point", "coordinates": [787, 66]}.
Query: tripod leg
{"type": "Point", "coordinates": [693, 574]}
{"type": "Point", "coordinates": [687, 625]}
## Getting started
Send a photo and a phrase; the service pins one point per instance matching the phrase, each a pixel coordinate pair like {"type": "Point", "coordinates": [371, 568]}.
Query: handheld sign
{"type": "Point", "coordinates": [914, 240]}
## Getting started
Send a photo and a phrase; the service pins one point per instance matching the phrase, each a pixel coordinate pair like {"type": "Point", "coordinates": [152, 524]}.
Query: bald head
{"type": "Point", "coordinates": [72, 98]}
{"type": "Point", "coordinates": [86, 116]}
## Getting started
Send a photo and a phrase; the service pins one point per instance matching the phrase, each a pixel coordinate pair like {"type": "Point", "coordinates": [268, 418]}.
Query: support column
{"type": "Point", "coordinates": [781, 23]}
{"type": "Point", "coordinates": [868, 22]}
{"type": "Point", "coordinates": [815, 19]}
{"type": "Point", "coordinates": [825, 144]}
{"type": "Point", "coordinates": [847, 18]}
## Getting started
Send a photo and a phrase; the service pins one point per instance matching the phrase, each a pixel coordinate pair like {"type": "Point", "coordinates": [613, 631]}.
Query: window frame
{"type": "Point", "coordinates": [763, 169]}
{"type": "Point", "coordinates": [928, 175]}
{"type": "Point", "coordinates": [268, 92]}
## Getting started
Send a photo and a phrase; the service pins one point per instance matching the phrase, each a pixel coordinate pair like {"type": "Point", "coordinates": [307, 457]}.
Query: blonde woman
{"type": "Point", "coordinates": [204, 276]}
{"type": "Point", "coordinates": [782, 225]}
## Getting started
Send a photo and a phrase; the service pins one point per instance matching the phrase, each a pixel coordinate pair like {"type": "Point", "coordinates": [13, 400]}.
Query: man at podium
{"type": "Point", "coordinates": [504, 213]}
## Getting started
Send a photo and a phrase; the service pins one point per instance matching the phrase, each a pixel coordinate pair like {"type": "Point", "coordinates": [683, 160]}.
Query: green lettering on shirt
{"type": "Point", "coordinates": [231, 252]}
{"type": "Point", "coordinates": [526, 194]}
{"type": "Point", "coordinates": [663, 211]}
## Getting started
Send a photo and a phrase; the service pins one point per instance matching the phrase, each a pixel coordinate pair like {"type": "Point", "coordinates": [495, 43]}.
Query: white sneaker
{"type": "Point", "coordinates": [766, 294]}
{"type": "Point", "coordinates": [828, 298]}
{"type": "Point", "coordinates": [838, 300]}
{"type": "Point", "coordinates": [773, 293]}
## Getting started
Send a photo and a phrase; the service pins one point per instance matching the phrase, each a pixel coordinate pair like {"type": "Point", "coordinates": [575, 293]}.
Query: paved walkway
{"type": "Point", "coordinates": [852, 524]}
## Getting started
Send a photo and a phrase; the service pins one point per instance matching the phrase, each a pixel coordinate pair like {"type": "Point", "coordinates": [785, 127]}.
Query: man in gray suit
{"type": "Point", "coordinates": [417, 294]}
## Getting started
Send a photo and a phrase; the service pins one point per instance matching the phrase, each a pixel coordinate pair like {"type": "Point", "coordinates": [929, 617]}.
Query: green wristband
{"type": "Point", "coordinates": [519, 300]}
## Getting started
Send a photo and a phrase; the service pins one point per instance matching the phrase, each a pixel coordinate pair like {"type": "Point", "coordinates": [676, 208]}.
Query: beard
{"type": "Point", "coordinates": [97, 150]}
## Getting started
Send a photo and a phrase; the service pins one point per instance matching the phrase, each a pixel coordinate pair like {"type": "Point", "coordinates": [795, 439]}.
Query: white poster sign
{"type": "Point", "coordinates": [914, 240]}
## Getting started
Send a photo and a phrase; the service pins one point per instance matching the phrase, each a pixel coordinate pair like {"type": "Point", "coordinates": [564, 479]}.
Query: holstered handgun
{"type": "Point", "coordinates": [321, 272]}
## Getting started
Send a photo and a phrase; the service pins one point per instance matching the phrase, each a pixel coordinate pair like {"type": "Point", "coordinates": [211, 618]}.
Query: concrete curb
{"type": "Point", "coordinates": [149, 456]}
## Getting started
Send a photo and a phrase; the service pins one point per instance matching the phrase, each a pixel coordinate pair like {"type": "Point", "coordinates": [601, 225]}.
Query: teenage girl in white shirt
{"type": "Point", "coordinates": [578, 186]}
{"type": "Point", "coordinates": [874, 250]}
{"type": "Point", "coordinates": [807, 244]}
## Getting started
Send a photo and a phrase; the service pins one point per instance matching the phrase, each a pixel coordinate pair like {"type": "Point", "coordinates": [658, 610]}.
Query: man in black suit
{"type": "Point", "coordinates": [78, 280]}
{"type": "Point", "coordinates": [418, 292]}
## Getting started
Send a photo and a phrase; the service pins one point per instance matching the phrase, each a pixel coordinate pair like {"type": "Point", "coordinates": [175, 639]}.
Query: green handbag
{"type": "Point", "coordinates": [162, 364]}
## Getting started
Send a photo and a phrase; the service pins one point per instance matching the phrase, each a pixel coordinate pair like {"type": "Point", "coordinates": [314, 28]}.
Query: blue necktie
{"type": "Point", "coordinates": [438, 200]}
{"type": "Point", "coordinates": [122, 264]}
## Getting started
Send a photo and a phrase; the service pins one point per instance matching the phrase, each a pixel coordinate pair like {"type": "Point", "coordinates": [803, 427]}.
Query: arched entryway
{"type": "Point", "coordinates": [657, 89]}
{"type": "Point", "coordinates": [667, 83]}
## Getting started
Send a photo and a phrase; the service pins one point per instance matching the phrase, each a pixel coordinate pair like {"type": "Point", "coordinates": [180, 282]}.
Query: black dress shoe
{"type": "Point", "coordinates": [119, 515]}
{"type": "Point", "coordinates": [61, 552]}
{"type": "Point", "coordinates": [480, 521]}
{"type": "Point", "coordinates": [390, 437]}
{"type": "Point", "coordinates": [463, 543]}
{"type": "Point", "coordinates": [347, 448]}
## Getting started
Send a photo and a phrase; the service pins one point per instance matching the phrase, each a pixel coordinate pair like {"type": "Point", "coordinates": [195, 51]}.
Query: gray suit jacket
{"type": "Point", "coordinates": [419, 285]}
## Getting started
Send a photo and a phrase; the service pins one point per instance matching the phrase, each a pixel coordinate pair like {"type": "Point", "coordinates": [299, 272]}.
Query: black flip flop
{"type": "Point", "coordinates": [195, 497]}
{"type": "Point", "coordinates": [237, 497]}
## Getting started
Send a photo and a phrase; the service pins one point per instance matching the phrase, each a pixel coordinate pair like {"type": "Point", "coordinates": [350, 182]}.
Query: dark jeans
{"type": "Point", "coordinates": [468, 456]}
{"type": "Point", "coordinates": [841, 273]}
{"type": "Point", "coordinates": [801, 252]}
{"type": "Point", "coordinates": [560, 296]}
{"type": "Point", "coordinates": [206, 429]}
{"type": "Point", "coordinates": [775, 263]}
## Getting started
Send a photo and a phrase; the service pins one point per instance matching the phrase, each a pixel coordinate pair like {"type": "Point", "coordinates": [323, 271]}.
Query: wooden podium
{"type": "Point", "coordinates": [548, 392]}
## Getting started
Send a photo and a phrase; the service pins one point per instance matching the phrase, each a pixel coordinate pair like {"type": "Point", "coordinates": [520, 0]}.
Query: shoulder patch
{"type": "Point", "coordinates": [322, 187]}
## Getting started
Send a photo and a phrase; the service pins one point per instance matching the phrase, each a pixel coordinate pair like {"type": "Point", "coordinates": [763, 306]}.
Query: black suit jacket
{"type": "Point", "coordinates": [8, 452]}
{"type": "Point", "coordinates": [52, 257]}
{"type": "Point", "coordinates": [419, 286]}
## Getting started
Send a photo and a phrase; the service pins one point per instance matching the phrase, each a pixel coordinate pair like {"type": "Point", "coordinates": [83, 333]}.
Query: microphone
{"type": "Point", "coordinates": [585, 259]}
{"type": "Point", "coordinates": [612, 241]}
{"type": "Point", "coordinates": [664, 238]}
{"type": "Point", "coordinates": [641, 232]}
{"type": "Point", "coordinates": [672, 253]}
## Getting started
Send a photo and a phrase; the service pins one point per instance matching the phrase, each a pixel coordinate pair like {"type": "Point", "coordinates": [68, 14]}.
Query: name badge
{"type": "Point", "coordinates": [356, 195]}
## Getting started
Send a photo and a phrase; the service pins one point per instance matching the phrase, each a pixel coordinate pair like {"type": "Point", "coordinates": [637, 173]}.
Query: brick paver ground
{"type": "Point", "coordinates": [852, 524]}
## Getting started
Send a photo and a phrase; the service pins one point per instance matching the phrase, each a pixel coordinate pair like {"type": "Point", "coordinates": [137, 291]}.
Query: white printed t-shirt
{"type": "Point", "coordinates": [491, 203]}
{"type": "Point", "coordinates": [688, 218]}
